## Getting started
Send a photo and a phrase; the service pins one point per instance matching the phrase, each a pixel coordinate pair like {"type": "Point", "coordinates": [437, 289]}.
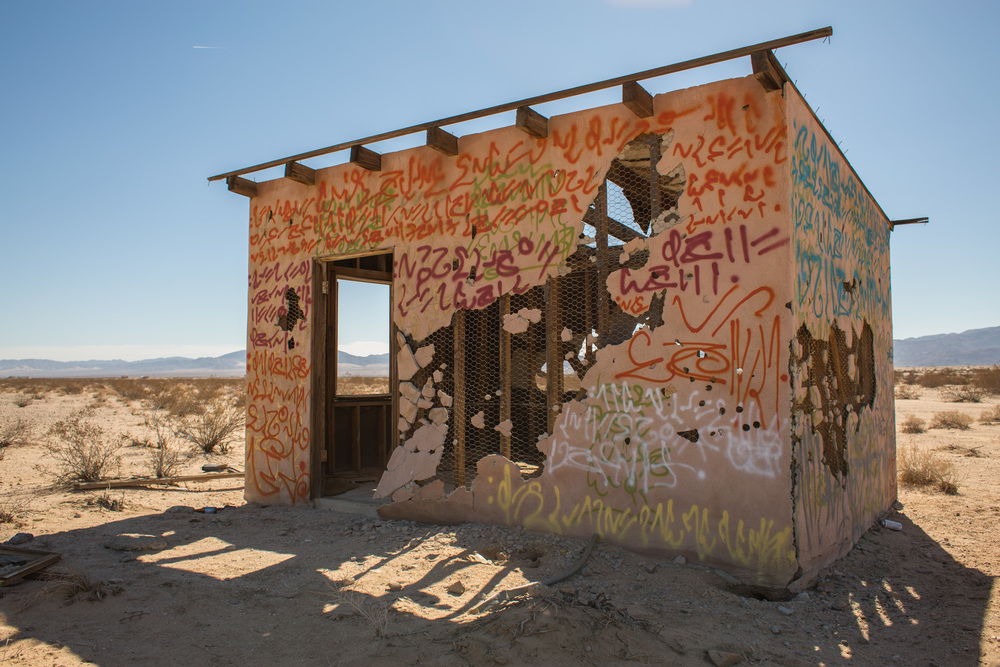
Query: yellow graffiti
{"type": "Point", "coordinates": [761, 549]}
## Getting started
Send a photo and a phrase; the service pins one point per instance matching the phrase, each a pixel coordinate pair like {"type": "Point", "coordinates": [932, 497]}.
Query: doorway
{"type": "Point", "coordinates": [357, 408]}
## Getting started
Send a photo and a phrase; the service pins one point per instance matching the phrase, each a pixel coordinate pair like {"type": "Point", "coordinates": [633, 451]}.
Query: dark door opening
{"type": "Point", "coordinates": [359, 374]}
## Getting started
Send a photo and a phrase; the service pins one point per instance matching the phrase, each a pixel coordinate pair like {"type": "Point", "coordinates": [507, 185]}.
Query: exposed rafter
{"type": "Point", "coordinates": [768, 70]}
{"type": "Point", "coordinates": [366, 158]}
{"type": "Point", "coordinates": [300, 173]}
{"type": "Point", "coordinates": [532, 122]}
{"type": "Point", "coordinates": [637, 99]}
{"type": "Point", "coordinates": [442, 140]}
{"type": "Point", "coordinates": [908, 221]}
{"type": "Point", "coordinates": [541, 99]}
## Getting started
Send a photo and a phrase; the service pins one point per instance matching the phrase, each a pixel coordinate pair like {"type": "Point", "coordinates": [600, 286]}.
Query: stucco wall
{"type": "Point", "coordinates": [680, 439]}
{"type": "Point", "coordinates": [842, 354]}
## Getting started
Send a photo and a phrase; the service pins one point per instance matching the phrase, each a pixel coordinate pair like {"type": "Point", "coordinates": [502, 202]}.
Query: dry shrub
{"type": "Point", "coordinates": [353, 386]}
{"type": "Point", "coordinates": [941, 377]}
{"type": "Point", "coordinates": [83, 450]}
{"type": "Point", "coordinates": [965, 394]}
{"type": "Point", "coordinates": [16, 432]}
{"type": "Point", "coordinates": [907, 392]}
{"type": "Point", "coordinates": [164, 460]}
{"type": "Point", "coordinates": [913, 424]}
{"type": "Point", "coordinates": [951, 419]}
{"type": "Point", "coordinates": [11, 509]}
{"type": "Point", "coordinates": [71, 586]}
{"type": "Point", "coordinates": [991, 416]}
{"type": "Point", "coordinates": [216, 428]}
{"type": "Point", "coordinates": [375, 612]}
{"type": "Point", "coordinates": [130, 389]}
{"type": "Point", "coordinates": [922, 467]}
{"type": "Point", "coordinates": [987, 379]}
{"type": "Point", "coordinates": [107, 502]}
{"type": "Point", "coordinates": [72, 386]}
{"type": "Point", "coordinates": [22, 400]}
{"type": "Point", "coordinates": [178, 397]}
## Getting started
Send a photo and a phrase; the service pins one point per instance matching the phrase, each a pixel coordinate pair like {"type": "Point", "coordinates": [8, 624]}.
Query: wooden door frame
{"type": "Point", "coordinates": [324, 339]}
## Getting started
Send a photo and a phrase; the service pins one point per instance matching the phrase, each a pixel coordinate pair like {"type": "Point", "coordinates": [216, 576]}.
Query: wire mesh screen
{"type": "Point", "coordinates": [508, 368]}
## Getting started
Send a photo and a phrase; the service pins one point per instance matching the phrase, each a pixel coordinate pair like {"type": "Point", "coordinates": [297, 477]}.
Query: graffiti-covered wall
{"type": "Point", "coordinates": [615, 328]}
{"type": "Point", "coordinates": [843, 408]}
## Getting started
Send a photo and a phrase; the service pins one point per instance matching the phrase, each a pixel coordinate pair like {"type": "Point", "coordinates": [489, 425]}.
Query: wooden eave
{"type": "Point", "coordinates": [634, 97]}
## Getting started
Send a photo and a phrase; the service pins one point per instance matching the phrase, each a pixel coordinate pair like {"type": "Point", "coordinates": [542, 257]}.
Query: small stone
{"type": "Point", "coordinates": [804, 595]}
{"type": "Point", "coordinates": [136, 543]}
{"type": "Point", "coordinates": [680, 560]}
{"type": "Point", "coordinates": [651, 567]}
{"type": "Point", "coordinates": [456, 588]}
{"type": "Point", "coordinates": [395, 586]}
{"type": "Point", "coordinates": [724, 658]}
{"type": "Point", "coordinates": [775, 630]}
{"type": "Point", "coordinates": [787, 611]}
{"type": "Point", "coordinates": [20, 538]}
{"type": "Point", "coordinates": [839, 605]}
{"type": "Point", "coordinates": [726, 577]}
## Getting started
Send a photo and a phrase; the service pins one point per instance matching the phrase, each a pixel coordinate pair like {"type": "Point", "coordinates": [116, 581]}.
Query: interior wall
{"type": "Point", "coordinates": [843, 410]}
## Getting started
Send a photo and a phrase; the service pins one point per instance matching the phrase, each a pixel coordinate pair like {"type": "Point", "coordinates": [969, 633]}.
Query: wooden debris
{"type": "Point", "coordinates": [15, 564]}
{"type": "Point", "coordinates": [146, 481]}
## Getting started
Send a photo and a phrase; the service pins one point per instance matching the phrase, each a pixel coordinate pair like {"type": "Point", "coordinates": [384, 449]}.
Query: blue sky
{"type": "Point", "coordinates": [114, 245]}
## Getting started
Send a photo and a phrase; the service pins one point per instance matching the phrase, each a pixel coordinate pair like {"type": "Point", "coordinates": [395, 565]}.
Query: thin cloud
{"type": "Point", "coordinates": [208, 47]}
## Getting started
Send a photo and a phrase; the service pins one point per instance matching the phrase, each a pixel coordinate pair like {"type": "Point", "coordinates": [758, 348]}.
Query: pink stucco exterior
{"type": "Point", "coordinates": [741, 415]}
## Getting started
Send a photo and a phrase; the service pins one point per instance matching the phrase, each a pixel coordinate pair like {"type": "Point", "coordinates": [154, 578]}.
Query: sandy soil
{"type": "Point", "coordinates": [312, 587]}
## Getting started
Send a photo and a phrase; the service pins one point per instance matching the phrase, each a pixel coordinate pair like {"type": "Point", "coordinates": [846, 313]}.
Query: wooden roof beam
{"type": "Point", "coordinates": [768, 70]}
{"type": "Point", "coordinates": [442, 141]}
{"type": "Point", "coordinates": [242, 186]}
{"type": "Point", "coordinates": [532, 122]}
{"type": "Point", "coordinates": [909, 221]}
{"type": "Point", "coordinates": [619, 230]}
{"type": "Point", "coordinates": [542, 99]}
{"type": "Point", "coordinates": [637, 99]}
{"type": "Point", "coordinates": [366, 158]}
{"type": "Point", "coordinates": [300, 173]}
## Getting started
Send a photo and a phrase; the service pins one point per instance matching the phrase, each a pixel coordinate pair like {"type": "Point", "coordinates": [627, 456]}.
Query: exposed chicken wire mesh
{"type": "Point", "coordinates": [503, 373]}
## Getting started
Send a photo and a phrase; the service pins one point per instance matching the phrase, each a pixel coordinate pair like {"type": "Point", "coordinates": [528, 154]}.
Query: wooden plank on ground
{"type": "Point", "coordinates": [29, 560]}
{"type": "Point", "coordinates": [146, 481]}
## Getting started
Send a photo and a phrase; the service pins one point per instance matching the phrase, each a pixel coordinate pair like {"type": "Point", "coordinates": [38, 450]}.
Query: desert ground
{"type": "Point", "coordinates": [147, 577]}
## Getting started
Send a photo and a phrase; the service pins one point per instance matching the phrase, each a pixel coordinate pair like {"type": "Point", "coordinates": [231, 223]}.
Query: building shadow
{"type": "Point", "coordinates": [295, 585]}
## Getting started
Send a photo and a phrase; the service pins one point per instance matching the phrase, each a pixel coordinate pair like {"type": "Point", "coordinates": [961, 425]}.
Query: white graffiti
{"type": "Point", "coordinates": [636, 439]}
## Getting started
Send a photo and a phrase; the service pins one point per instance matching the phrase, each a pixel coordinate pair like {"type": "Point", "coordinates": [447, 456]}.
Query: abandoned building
{"type": "Point", "coordinates": [665, 321]}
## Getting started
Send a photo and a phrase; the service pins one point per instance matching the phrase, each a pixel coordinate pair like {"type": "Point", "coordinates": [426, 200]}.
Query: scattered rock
{"type": "Point", "coordinates": [839, 605]}
{"type": "Point", "coordinates": [680, 560]}
{"type": "Point", "coordinates": [787, 611]}
{"type": "Point", "coordinates": [20, 538]}
{"type": "Point", "coordinates": [136, 543]}
{"type": "Point", "coordinates": [724, 658]}
{"type": "Point", "coordinates": [775, 630]}
{"type": "Point", "coordinates": [728, 578]}
{"type": "Point", "coordinates": [395, 586]}
{"type": "Point", "coordinates": [456, 588]}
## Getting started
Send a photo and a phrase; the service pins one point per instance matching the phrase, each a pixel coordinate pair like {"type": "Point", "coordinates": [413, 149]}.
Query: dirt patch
{"type": "Point", "coordinates": [301, 586]}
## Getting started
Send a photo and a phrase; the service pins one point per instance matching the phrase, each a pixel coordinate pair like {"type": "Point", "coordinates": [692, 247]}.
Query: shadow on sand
{"type": "Point", "coordinates": [267, 583]}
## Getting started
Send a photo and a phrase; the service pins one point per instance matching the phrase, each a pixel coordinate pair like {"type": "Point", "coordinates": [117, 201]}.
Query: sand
{"type": "Point", "coordinates": [160, 583]}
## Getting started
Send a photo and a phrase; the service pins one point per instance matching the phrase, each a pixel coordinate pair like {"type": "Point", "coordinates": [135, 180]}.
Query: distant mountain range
{"type": "Point", "coordinates": [975, 347]}
{"type": "Point", "coordinates": [233, 364]}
